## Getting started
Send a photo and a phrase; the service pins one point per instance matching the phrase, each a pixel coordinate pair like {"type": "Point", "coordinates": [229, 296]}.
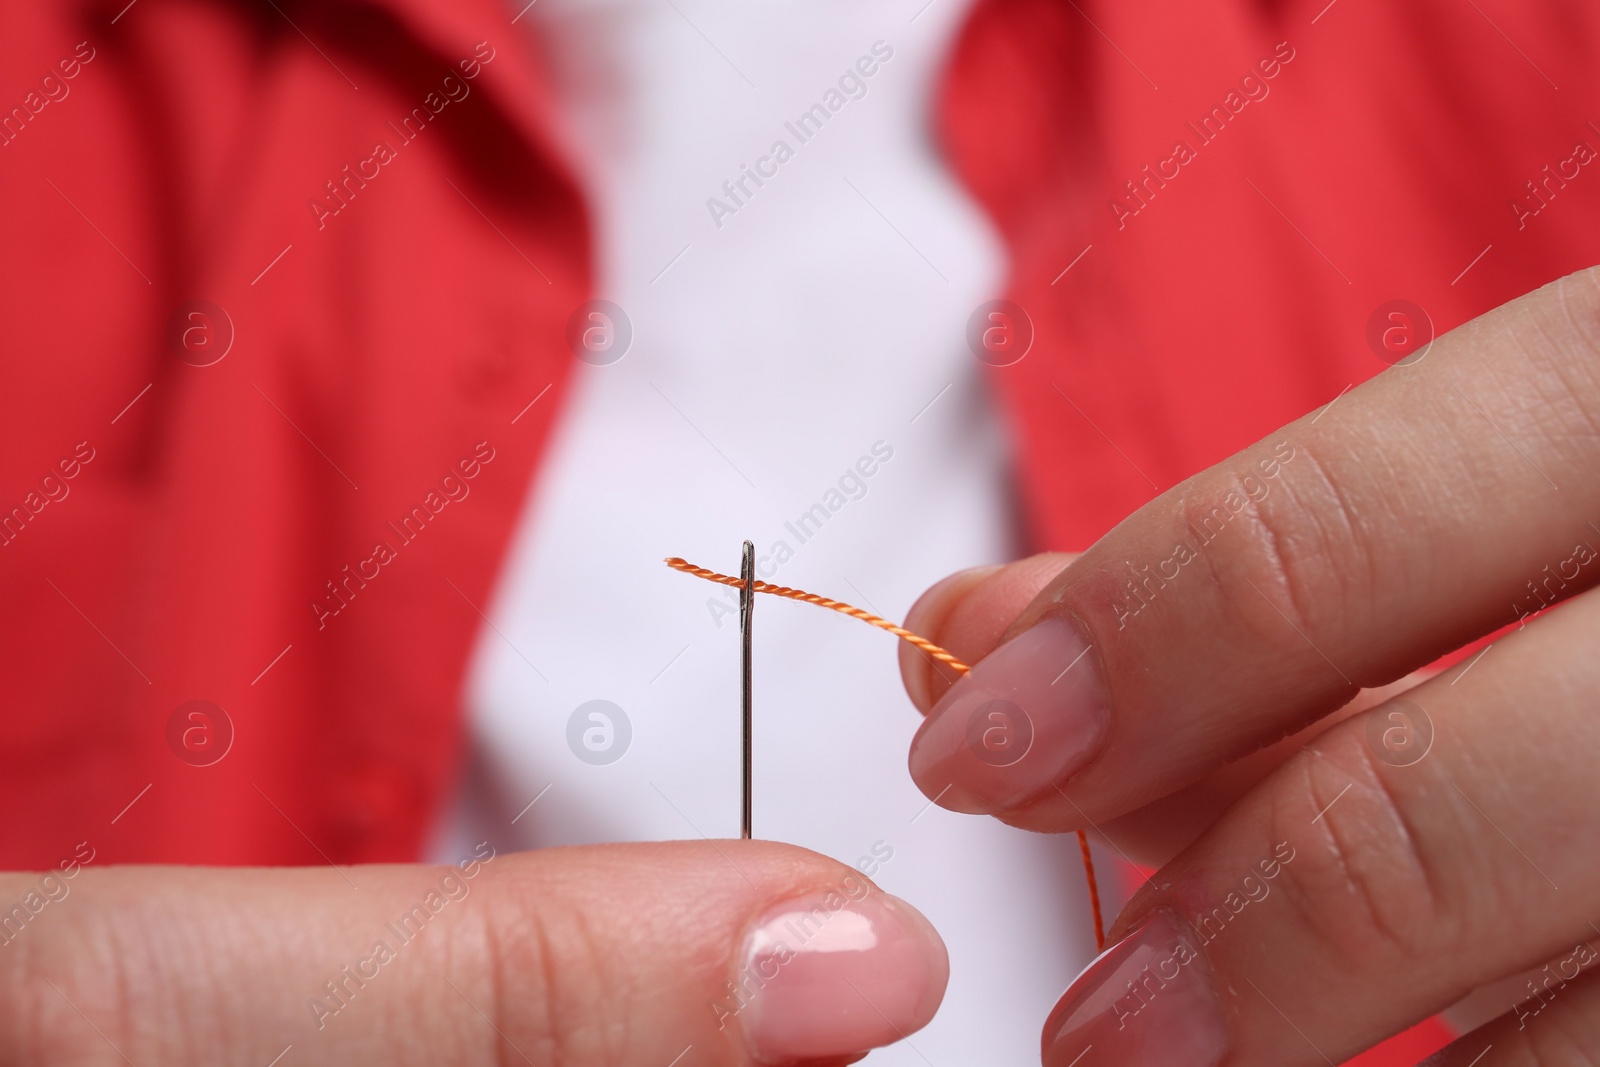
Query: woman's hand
{"type": "Point", "coordinates": [707, 953]}
{"type": "Point", "coordinates": [1198, 687]}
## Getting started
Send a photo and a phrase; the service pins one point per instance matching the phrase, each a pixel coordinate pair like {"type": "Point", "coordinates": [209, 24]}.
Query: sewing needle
{"type": "Point", "coordinates": [747, 603]}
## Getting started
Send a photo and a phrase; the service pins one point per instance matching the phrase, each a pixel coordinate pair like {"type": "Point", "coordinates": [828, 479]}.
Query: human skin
{"type": "Point", "coordinates": [1224, 729]}
{"type": "Point", "coordinates": [608, 956]}
{"type": "Point", "coordinates": [1346, 844]}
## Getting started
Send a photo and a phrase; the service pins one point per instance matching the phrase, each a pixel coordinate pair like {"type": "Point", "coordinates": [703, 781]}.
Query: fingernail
{"type": "Point", "coordinates": [1029, 714]}
{"type": "Point", "coordinates": [827, 976]}
{"type": "Point", "coordinates": [1147, 1001]}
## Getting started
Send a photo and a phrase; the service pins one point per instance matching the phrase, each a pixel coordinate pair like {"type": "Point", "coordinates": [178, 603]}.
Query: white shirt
{"type": "Point", "coordinates": [788, 336]}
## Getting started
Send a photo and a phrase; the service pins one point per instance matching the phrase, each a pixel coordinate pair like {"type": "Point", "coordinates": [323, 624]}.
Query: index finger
{"type": "Point", "coordinates": [1431, 505]}
{"type": "Point", "coordinates": [752, 952]}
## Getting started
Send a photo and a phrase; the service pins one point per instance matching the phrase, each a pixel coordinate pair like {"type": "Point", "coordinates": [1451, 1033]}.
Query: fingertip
{"type": "Point", "coordinates": [968, 614]}
{"type": "Point", "coordinates": [924, 677]}
{"type": "Point", "coordinates": [837, 975]}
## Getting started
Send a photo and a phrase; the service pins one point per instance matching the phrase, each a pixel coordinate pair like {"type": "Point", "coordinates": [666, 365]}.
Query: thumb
{"type": "Point", "coordinates": [703, 954]}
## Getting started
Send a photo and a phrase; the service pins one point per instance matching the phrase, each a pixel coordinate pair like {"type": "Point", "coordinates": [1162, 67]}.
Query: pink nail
{"type": "Point", "coordinates": [827, 976]}
{"type": "Point", "coordinates": [1148, 1001]}
{"type": "Point", "coordinates": [1029, 714]}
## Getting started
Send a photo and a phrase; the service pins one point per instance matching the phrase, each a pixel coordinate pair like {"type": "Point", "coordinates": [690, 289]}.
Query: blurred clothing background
{"type": "Point", "coordinates": [364, 358]}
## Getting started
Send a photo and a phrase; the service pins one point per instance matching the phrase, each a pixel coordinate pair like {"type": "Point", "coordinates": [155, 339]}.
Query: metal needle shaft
{"type": "Point", "coordinates": [747, 603]}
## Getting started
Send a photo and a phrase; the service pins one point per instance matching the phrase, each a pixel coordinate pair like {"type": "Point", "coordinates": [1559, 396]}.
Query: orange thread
{"type": "Point", "coordinates": [922, 643]}
{"type": "Point", "coordinates": [837, 605]}
{"type": "Point", "coordinates": [1094, 892]}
